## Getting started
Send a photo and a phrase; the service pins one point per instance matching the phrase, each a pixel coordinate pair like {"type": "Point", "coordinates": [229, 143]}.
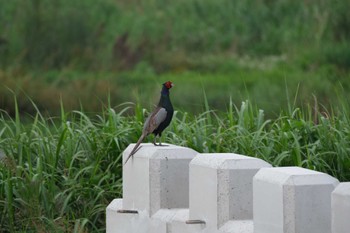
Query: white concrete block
{"type": "Point", "coordinates": [292, 200]}
{"type": "Point", "coordinates": [175, 221]}
{"type": "Point", "coordinates": [238, 226]}
{"type": "Point", "coordinates": [124, 222]}
{"type": "Point", "coordinates": [179, 225]}
{"type": "Point", "coordinates": [161, 219]}
{"type": "Point", "coordinates": [221, 187]}
{"type": "Point", "coordinates": [341, 208]}
{"type": "Point", "coordinates": [156, 177]}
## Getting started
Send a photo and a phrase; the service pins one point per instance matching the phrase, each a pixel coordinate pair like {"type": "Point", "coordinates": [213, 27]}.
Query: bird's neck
{"type": "Point", "coordinates": [165, 91]}
{"type": "Point", "coordinates": [165, 99]}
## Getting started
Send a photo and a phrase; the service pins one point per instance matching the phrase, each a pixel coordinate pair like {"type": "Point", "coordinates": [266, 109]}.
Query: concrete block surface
{"type": "Point", "coordinates": [122, 222]}
{"type": "Point", "coordinates": [179, 225]}
{"type": "Point", "coordinates": [222, 181]}
{"type": "Point", "coordinates": [157, 177]}
{"type": "Point", "coordinates": [161, 219]}
{"type": "Point", "coordinates": [292, 200]}
{"type": "Point", "coordinates": [238, 226]}
{"type": "Point", "coordinates": [341, 208]}
{"type": "Point", "coordinates": [174, 221]}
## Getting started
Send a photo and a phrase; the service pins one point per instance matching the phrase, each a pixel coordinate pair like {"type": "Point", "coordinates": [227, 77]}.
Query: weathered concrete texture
{"type": "Point", "coordinates": [161, 219]}
{"type": "Point", "coordinates": [221, 188]}
{"type": "Point", "coordinates": [238, 226]}
{"type": "Point", "coordinates": [179, 225]}
{"type": "Point", "coordinates": [292, 200]}
{"type": "Point", "coordinates": [173, 221]}
{"type": "Point", "coordinates": [156, 177]}
{"type": "Point", "coordinates": [122, 223]}
{"type": "Point", "coordinates": [341, 208]}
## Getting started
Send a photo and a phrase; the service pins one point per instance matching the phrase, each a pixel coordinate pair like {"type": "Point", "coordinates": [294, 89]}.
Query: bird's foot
{"type": "Point", "coordinates": [162, 144]}
{"type": "Point", "coordinates": [159, 144]}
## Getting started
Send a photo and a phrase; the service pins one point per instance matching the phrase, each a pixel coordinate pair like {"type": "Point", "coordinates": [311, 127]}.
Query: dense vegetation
{"type": "Point", "coordinates": [58, 175]}
{"type": "Point", "coordinates": [78, 51]}
{"type": "Point", "coordinates": [59, 167]}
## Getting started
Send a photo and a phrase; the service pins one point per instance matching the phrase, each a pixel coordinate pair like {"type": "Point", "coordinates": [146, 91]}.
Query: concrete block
{"type": "Point", "coordinates": [124, 222]}
{"type": "Point", "coordinates": [238, 226]}
{"type": "Point", "coordinates": [178, 223]}
{"type": "Point", "coordinates": [161, 219]}
{"type": "Point", "coordinates": [292, 200]}
{"type": "Point", "coordinates": [157, 177]}
{"type": "Point", "coordinates": [221, 187]}
{"type": "Point", "coordinates": [175, 221]}
{"type": "Point", "coordinates": [341, 208]}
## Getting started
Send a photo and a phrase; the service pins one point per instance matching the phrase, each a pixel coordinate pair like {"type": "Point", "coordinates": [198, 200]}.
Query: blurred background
{"type": "Point", "coordinates": [273, 52]}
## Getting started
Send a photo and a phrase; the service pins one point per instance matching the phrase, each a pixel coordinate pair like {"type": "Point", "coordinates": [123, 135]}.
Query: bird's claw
{"type": "Point", "coordinates": [159, 144]}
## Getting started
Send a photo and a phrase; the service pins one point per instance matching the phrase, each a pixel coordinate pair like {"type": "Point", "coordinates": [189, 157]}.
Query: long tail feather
{"type": "Point", "coordinates": [136, 147]}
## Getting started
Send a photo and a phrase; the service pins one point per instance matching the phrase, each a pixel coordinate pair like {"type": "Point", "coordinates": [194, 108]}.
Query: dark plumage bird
{"type": "Point", "coordinates": [158, 120]}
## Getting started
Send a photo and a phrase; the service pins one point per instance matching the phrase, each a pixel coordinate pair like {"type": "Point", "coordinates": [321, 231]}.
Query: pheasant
{"type": "Point", "coordinates": [158, 120]}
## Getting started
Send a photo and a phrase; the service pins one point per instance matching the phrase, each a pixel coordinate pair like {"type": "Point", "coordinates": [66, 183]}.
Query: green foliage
{"type": "Point", "coordinates": [59, 174]}
{"type": "Point", "coordinates": [78, 51]}
{"type": "Point", "coordinates": [46, 34]}
{"type": "Point", "coordinates": [119, 34]}
{"type": "Point", "coordinates": [263, 81]}
{"type": "Point", "coordinates": [309, 139]}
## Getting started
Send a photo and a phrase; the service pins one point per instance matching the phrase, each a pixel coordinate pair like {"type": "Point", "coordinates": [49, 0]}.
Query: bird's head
{"type": "Point", "coordinates": [168, 85]}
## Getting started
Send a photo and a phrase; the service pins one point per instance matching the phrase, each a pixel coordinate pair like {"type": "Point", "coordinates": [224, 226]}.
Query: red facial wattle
{"type": "Point", "coordinates": [168, 84]}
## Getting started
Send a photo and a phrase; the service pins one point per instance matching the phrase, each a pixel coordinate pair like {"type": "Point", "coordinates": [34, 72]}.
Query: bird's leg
{"type": "Point", "coordinates": [160, 142]}
{"type": "Point", "coordinates": [155, 140]}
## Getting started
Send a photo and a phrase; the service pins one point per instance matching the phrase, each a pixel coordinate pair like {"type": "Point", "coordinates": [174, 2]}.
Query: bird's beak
{"type": "Point", "coordinates": [172, 84]}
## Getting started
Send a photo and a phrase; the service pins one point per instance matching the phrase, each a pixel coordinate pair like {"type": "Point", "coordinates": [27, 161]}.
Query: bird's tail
{"type": "Point", "coordinates": [136, 147]}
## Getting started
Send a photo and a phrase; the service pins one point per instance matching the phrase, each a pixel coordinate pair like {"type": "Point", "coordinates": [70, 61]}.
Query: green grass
{"type": "Point", "coordinates": [89, 34]}
{"type": "Point", "coordinates": [77, 51]}
{"type": "Point", "coordinates": [59, 174]}
{"type": "Point", "coordinates": [267, 82]}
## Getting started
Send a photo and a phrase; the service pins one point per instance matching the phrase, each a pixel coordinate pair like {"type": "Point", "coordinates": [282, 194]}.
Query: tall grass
{"type": "Point", "coordinates": [305, 138]}
{"type": "Point", "coordinates": [59, 174]}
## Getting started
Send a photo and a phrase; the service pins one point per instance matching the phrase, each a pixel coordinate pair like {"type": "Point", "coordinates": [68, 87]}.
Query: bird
{"type": "Point", "coordinates": [158, 120]}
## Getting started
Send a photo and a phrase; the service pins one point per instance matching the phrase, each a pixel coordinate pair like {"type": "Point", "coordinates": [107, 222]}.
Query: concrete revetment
{"type": "Point", "coordinates": [174, 189]}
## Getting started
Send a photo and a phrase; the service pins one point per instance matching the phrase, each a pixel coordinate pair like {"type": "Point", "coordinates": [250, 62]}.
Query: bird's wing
{"type": "Point", "coordinates": [154, 120]}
